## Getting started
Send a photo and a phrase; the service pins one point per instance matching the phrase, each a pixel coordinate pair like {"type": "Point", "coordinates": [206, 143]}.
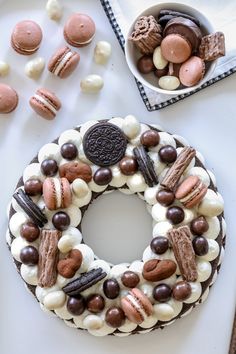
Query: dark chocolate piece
{"type": "Point", "coordinates": [145, 166]}
{"type": "Point", "coordinates": [212, 46]}
{"type": "Point", "coordinates": [172, 13]}
{"type": "Point", "coordinates": [85, 281]}
{"type": "Point", "coordinates": [30, 208]}
{"type": "Point", "coordinates": [163, 20]}
{"type": "Point", "coordinates": [104, 144]}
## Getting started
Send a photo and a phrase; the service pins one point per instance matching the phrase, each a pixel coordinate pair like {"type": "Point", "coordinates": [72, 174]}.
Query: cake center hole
{"type": "Point", "coordinates": [117, 227]}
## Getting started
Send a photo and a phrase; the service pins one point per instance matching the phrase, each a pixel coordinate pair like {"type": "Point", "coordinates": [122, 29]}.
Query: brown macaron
{"type": "Point", "coordinates": [191, 191]}
{"type": "Point", "coordinates": [192, 71]}
{"type": "Point", "coordinates": [45, 103]}
{"type": "Point", "coordinates": [56, 193]}
{"type": "Point", "coordinates": [26, 37]}
{"type": "Point", "coordinates": [175, 48]}
{"type": "Point", "coordinates": [63, 62]}
{"type": "Point", "coordinates": [8, 99]}
{"type": "Point", "coordinates": [136, 306]}
{"type": "Point", "coordinates": [79, 30]}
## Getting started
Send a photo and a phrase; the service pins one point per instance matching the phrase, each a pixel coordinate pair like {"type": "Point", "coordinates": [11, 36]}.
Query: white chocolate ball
{"type": "Point", "coordinates": [92, 322]}
{"type": "Point", "coordinates": [203, 270]}
{"type": "Point", "coordinates": [158, 60]}
{"type": "Point", "coordinates": [164, 312]}
{"type": "Point", "coordinates": [169, 83]}
{"type": "Point", "coordinates": [4, 68]}
{"type": "Point", "coordinates": [131, 126]}
{"type": "Point", "coordinates": [35, 67]}
{"type": "Point", "coordinates": [70, 136]}
{"type": "Point", "coordinates": [92, 84]}
{"type": "Point", "coordinates": [102, 52]}
{"type": "Point", "coordinates": [211, 205]}
{"type": "Point", "coordinates": [54, 300]}
{"type": "Point", "coordinates": [54, 10]}
{"type": "Point", "coordinates": [80, 188]}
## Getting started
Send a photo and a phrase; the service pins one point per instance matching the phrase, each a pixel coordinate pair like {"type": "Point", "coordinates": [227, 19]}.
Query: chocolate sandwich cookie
{"type": "Point", "coordinates": [104, 144]}
{"type": "Point", "coordinates": [30, 208]}
{"type": "Point", "coordinates": [172, 14]}
{"type": "Point", "coordinates": [85, 281]}
{"type": "Point", "coordinates": [145, 166]}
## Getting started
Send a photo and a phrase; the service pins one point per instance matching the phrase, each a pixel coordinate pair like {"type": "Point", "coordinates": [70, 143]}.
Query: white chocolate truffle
{"type": "Point", "coordinates": [80, 188]}
{"type": "Point", "coordinates": [102, 52]}
{"type": "Point", "coordinates": [169, 83]}
{"type": "Point", "coordinates": [35, 67]}
{"type": "Point", "coordinates": [4, 68]}
{"type": "Point", "coordinates": [92, 322]}
{"type": "Point", "coordinates": [54, 300]}
{"type": "Point", "coordinates": [131, 126]}
{"type": "Point", "coordinates": [164, 312]}
{"type": "Point", "coordinates": [158, 60]}
{"type": "Point", "coordinates": [54, 10]}
{"type": "Point", "coordinates": [91, 84]}
{"type": "Point", "coordinates": [211, 205]}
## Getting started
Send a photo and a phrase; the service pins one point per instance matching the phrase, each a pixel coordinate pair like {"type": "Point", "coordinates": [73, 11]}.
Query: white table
{"type": "Point", "coordinates": [207, 120]}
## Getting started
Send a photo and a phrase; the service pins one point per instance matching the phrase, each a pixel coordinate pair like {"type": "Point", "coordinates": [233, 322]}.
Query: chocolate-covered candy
{"type": "Point", "coordinates": [199, 226]}
{"type": "Point", "coordinates": [150, 138]}
{"type": "Point", "coordinates": [33, 187]}
{"type": "Point", "coordinates": [175, 215]}
{"type": "Point", "coordinates": [167, 154]}
{"type": "Point", "coordinates": [159, 244]}
{"type": "Point", "coordinates": [102, 176]}
{"type": "Point", "coordinates": [29, 255]}
{"type": "Point", "coordinates": [111, 288]}
{"type": "Point", "coordinates": [115, 317]}
{"type": "Point", "coordinates": [95, 303]}
{"type": "Point", "coordinates": [61, 220]}
{"type": "Point", "coordinates": [162, 292]}
{"type": "Point", "coordinates": [145, 64]}
{"type": "Point", "coordinates": [200, 245]}
{"type": "Point", "coordinates": [49, 167]}
{"type": "Point", "coordinates": [76, 305]}
{"type": "Point", "coordinates": [30, 231]}
{"type": "Point", "coordinates": [69, 151]}
{"type": "Point", "coordinates": [181, 291]}
{"type": "Point", "coordinates": [165, 197]}
{"type": "Point", "coordinates": [130, 279]}
{"type": "Point", "coordinates": [128, 166]}
{"type": "Point", "coordinates": [161, 72]}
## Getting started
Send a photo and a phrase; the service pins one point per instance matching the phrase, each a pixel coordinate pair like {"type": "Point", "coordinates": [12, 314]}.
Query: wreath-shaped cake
{"type": "Point", "coordinates": [177, 267]}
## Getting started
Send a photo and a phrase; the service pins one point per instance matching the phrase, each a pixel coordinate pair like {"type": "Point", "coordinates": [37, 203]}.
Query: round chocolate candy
{"type": "Point", "coordinates": [29, 255]}
{"type": "Point", "coordinates": [128, 166]}
{"type": "Point", "coordinates": [159, 244]}
{"type": "Point", "coordinates": [175, 214]}
{"type": "Point", "coordinates": [69, 151]}
{"type": "Point", "coordinates": [150, 138]}
{"type": "Point", "coordinates": [76, 305]}
{"type": "Point", "coordinates": [161, 72]}
{"type": "Point", "coordinates": [145, 64]}
{"type": "Point", "coordinates": [30, 231]}
{"type": "Point", "coordinates": [102, 176]}
{"type": "Point", "coordinates": [111, 288]}
{"type": "Point", "coordinates": [199, 225]}
{"type": "Point", "coordinates": [61, 220]}
{"type": "Point", "coordinates": [165, 197]}
{"type": "Point", "coordinates": [130, 279]}
{"type": "Point", "coordinates": [33, 187]}
{"type": "Point", "coordinates": [95, 303]}
{"type": "Point", "coordinates": [162, 292]}
{"type": "Point", "coordinates": [200, 245]}
{"type": "Point", "coordinates": [181, 290]}
{"type": "Point", "coordinates": [167, 154]}
{"type": "Point", "coordinates": [49, 167]}
{"type": "Point", "coordinates": [115, 317]}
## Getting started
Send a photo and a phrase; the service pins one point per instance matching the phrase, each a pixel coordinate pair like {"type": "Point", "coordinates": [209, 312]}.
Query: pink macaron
{"type": "Point", "coordinates": [191, 191]}
{"type": "Point", "coordinates": [26, 37]}
{"type": "Point", "coordinates": [45, 103]}
{"type": "Point", "coordinates": [56, 193]}
{"type": "Point", "coordinates": [136, 306]}
{"type": "Point", "coordinates": [192, 71]}
{"type": "Point", "coordinates": [63, 62]}
{"type": "Point", "coordinates": [79, 30]}
{"type": "Point", "coordinates": [8, 99]}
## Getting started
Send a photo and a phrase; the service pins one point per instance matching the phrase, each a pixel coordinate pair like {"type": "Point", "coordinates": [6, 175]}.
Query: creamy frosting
{"type": "Point", "coordinates": [62, 63]}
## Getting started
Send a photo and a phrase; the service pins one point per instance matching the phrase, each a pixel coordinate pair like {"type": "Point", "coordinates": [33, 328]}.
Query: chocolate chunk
{"type": "Point", "coordinates": [104, 144]}
{"type": "Point", "coordinates": [145, 166]}
{"type": "Point", "coordinates": [184, 253]}
{"type": "Point", "coordinates": [30, 208]}
{"type": "Point", "coordinates": [212, 46]}
{"type": "Point", "coordinates": [173, 175]}
{"type": "Point", "coordinates": [85, 281]}
{"type": "Point", "coordinates": [165, 13]}
{"type": "Point", "coordinates": [48, 258]}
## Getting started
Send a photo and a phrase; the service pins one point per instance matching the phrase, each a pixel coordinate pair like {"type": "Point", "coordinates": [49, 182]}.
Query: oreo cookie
{"type": "Point", "coordinates": [172, 13]}
{"type": "Point", "coordinates": [145, 166]}
{"type": "Point", "coordinates": [104, 144]}
{"type": "Point", "coordinates": [30, 208]}
{"type": "Point", "coordinates": [85, 281]}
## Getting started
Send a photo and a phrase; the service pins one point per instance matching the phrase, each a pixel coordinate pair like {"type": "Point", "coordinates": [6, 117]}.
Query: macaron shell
{"type": "Point", "coordinates": [175, 48]}
{"type": "Point", "coordinates": [69, 66]}
{"type": "Point", "coordinates": [143, 299]}
{"type": "Point", "coordinates": [50, 193]}
{"type": "Point", "coordinates": [8, 99]}
{"type": "Point", "coordinates": [40, 108]}
{"type": "Point", "coordinates": [197, 199]}
{"type": "Point", "coordinates": [186, 186]}
{"type": "Point", "coordinates": [131, 313]}
{"type": "Point", "coordinates": [66, 193]}
{"type": "Point", "coordinates": [50, 96]}
{"type": "Point", "coordinates": [192, 71]}
{"type": "Point", "coordinates": [79, 30]}
{"type": "Point", "coordinates": [26, 37]}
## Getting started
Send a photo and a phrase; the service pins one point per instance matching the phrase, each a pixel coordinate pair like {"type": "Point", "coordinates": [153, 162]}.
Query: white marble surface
{"type": "Point", "coordinates": [207, 120]}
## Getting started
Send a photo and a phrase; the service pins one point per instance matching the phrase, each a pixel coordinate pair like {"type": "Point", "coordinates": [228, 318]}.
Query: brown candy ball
{"type": "Point", "coordinates": [115, 317]}
{"type": "Point", "coordinates": [181, 291]}
{"type": "Point", "coordinates": [30, 231]}
{"type": "Point", "coordinates": [130, 279]}
{"type": "Point", "coordinates": [167, 154]}
{"type": "Point", "coordinates": [69, 151]}
{"type": "Point", "coordinates": [33, 187]}
{"type": "Point", "coordinates": [111, 288]}
{"type": "Point", "coordinates": [161, 72]}
{"type": "Point", "coordinates": [175, 214]}
{"type": "Point", "coordinates": [95, 303]}
{"type": "Point", "coordinates": [76, 305]}
{"type": "Point", "coordinates": [162, 292]}
{"type": "Point", "coordinates": [145, 64]}
{"type": "Point", "coordinates": [200, 245]}
{"type": "Point", "coordinates": [128, 166]}
{"type": "Point", "coordinates": [29, 255]}
{"type": "Point", "coordinates": [150, 138]}
{"type": "Point", "coordinates": [49, 167]}
{"type": "Point", "coordinates": [159, 244]}
{"type": "Point", "coordinates": [165, 197]}
{"type": "Point", "coordinates": [199, 226]}
{"type": "Point", "coordinates": [61, 220]}
{"type": "Point", "coordinates": [102, 176]}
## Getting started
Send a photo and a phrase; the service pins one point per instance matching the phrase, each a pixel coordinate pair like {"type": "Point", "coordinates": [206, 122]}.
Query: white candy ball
{"type": "Point", "coordinates": [92, 84]}
{"type": "Point", "coordinates": [54, 10]}
{"type": "Point", "coordinates": [169, 83]}
{"type": "Point", "coordinates": [54, 300]}
{"type": "Point", "coordinates": [159, 61]}
{"type": "Point", "coordinates": [131, 126]}
{"type": "Point", "coordinates": [35, 67]}
{"type": "Point", "coordinates": [102, 52]}
{"type": "Point", "coordinates": [4, 68]}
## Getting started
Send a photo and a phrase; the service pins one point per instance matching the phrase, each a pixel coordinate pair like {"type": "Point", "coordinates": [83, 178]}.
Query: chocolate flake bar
{"type": "Point", "coordinates": [212, 46]}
